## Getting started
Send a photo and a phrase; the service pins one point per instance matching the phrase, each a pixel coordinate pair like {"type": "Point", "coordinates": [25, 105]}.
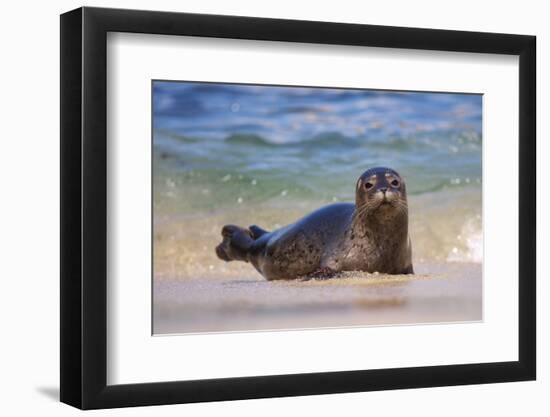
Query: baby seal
{"type": "Point", "coordinates": [371, 235]}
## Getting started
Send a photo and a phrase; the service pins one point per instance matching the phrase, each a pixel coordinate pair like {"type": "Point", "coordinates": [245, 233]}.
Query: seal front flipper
{"type": "Point", "coordinates": [408, 270]}
{"type": "Point", "coordinates": [235, 245]}
{"type": "Point", "coordinates": [321, 273]}
{"type": "Point", "coordinates": [257, 231]}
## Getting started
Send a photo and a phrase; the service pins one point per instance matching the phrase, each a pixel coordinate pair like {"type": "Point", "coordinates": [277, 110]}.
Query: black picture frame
{"type": "Point", "coordinates": [84, 207]}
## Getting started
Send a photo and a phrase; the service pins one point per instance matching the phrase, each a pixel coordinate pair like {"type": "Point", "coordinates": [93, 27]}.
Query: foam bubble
{"type": "Point", "coordinates": [471, 239]}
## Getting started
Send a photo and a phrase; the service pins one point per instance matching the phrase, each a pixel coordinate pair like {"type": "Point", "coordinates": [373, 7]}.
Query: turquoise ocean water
{"type": "Point", "coordinates": [245, 154]}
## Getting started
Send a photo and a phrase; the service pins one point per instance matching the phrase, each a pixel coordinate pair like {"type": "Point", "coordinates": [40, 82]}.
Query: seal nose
{"type": "Point", "coordinates": [383, 189]}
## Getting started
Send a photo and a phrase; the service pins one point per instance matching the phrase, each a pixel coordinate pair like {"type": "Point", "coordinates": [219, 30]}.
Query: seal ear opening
{"type": "Point", "coordinates": [235, 245]}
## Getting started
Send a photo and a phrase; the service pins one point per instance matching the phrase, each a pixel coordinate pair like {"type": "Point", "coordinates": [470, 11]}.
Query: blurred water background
{"type": "Point", "coordinates": [248, 154]}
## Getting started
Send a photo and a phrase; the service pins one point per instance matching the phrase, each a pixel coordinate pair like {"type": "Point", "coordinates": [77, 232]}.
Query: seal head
{"type": "Point", "coordinates": [380, 188]}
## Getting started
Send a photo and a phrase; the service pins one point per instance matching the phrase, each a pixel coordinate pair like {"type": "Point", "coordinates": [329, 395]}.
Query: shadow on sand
{"type": "Point", "coordinates": [50, 392]}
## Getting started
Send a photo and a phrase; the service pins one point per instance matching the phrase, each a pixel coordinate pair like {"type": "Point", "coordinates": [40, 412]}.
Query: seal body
{"type": "Point", "coordinates": [370, 235]}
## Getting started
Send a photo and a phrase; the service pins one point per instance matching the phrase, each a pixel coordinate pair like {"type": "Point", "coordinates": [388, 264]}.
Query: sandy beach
{"type": "Point", "coordinates": [446, 292]}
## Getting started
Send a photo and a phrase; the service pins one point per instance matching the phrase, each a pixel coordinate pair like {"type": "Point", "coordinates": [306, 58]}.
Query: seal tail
{"type": "Point", "coordinates": [236, 244]}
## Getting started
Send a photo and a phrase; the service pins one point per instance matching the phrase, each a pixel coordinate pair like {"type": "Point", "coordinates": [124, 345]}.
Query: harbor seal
{"type": "Point", "coordinates": [370, 235]}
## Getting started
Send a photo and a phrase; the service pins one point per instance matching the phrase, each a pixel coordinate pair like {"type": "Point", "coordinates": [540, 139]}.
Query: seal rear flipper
{"type": "Point", "coordinates": [257, 232]}
{"type": "Point", "coordinates": [235, 245]}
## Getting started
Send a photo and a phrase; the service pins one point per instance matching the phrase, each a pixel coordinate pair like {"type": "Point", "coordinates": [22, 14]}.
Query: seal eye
{"type": "Point", "coordinates": [368, 185]}
{"type": "Point", "coordinates": [395, 183]}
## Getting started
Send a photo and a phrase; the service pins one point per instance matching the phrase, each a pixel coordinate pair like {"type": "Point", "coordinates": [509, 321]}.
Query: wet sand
{"type": "Point", "coordinates": [438, 292]}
